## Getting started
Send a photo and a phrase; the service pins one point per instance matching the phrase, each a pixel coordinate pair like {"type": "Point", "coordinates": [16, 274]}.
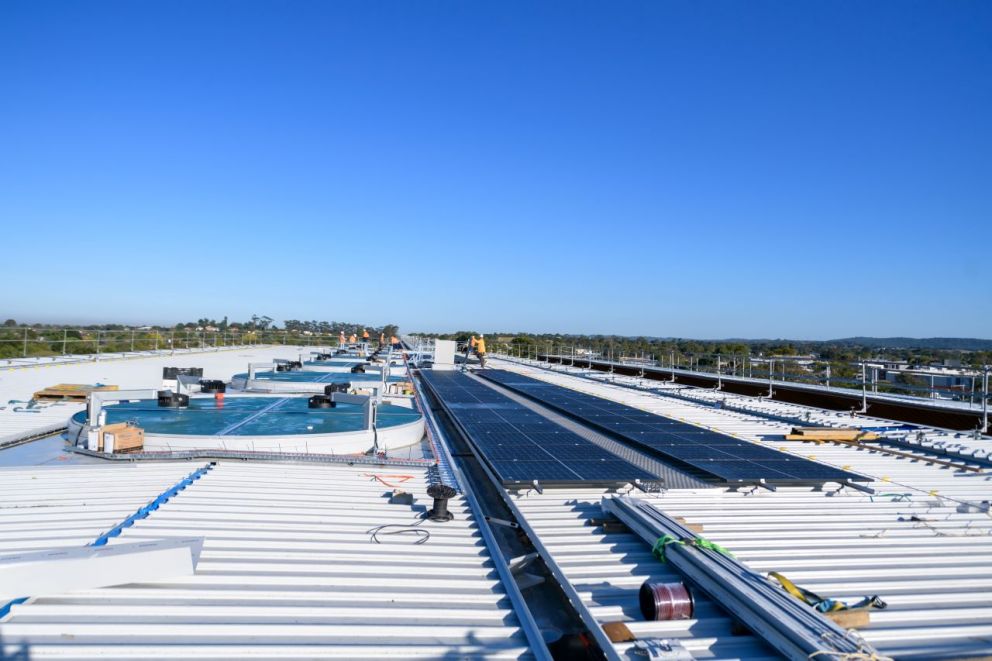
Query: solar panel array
{"type": "Point", "coordinates": [705, 453]}
{"type": "Point", "coordinates": [520, 445]}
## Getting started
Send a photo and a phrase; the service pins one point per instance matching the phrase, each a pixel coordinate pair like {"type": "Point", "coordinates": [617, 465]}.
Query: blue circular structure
{"type": "Point", "coordinates": [267, 424]}
{"type": "Point", "coordinates": [250, 416]}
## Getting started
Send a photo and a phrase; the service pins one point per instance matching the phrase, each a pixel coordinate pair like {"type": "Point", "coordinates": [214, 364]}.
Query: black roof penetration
{"type": "Point", "coordinates": [521, 445]}
{"type": "Point", "coordinates": [705, 453]}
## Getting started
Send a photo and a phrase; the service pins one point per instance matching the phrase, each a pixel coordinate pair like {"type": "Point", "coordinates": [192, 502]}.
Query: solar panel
{"type": "Point", "coordinates": [701, 451]}
{"type": "Point", "coordinates": [520, 445]}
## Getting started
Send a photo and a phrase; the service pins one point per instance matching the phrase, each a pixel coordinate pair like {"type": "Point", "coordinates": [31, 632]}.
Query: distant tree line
{"type": "Point", "coordinates": [18, 340]}
{"type": "Point", "coordinates": [841, 355]}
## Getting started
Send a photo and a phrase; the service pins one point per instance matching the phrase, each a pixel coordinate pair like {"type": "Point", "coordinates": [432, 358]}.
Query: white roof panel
{"type": "Point", "coordinates": [289, 570]}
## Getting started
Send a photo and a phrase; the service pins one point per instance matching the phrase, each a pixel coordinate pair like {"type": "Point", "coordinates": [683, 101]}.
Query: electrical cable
{"type": "Point", "coordinates": [401, 529]}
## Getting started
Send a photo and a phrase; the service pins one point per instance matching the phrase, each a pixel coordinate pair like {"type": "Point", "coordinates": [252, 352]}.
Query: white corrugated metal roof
{"type": "Point", "coordinates": [288, 570]}
{"type": "Point", "coordinates": [53, 507]}
{"type": "Point", "coordinates": [921, 542]}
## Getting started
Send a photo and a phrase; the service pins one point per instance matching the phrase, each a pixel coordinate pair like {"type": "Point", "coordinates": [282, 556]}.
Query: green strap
{"type": "Point", "coordinates": [704, 543]}
{"type": "Point", "coordinates": [658, 550]}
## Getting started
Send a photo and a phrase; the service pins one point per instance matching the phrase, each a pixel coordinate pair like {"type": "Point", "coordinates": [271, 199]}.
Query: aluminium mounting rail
{"type": "Point", "coordinates": [788, 625]}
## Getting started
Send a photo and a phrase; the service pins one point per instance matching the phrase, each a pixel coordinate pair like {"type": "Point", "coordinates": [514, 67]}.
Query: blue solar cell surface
{"type": "Point", "coordinates": [706, 453]}
{"type": "Point", "coordinates": [520, 445]}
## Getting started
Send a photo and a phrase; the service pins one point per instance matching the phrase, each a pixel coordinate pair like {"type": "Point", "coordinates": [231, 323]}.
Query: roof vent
{"type": "Point", "coordinates": [173, 372]}
{"type": "Point", "coordinates": [321, 402]}
{"type": "Point", "coordinates": [173, 400]}
{"type": "Point", "coordinates": [440, 493]}
{"type": "Point", "coordinates": [212, 385]}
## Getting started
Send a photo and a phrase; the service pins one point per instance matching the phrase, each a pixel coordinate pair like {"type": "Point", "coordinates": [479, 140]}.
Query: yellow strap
{"type": "Point", "coordinates": [789, 586]}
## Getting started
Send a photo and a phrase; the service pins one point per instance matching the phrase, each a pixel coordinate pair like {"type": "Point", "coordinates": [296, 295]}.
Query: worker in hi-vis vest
{"type": "Point", "coordinates": [365, 335]}
{"type": "Point", "coordinates": [480, 350]}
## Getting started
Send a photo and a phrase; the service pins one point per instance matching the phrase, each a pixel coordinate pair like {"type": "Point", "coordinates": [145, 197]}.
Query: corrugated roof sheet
{"type": "Point", "coordinates": [63, 506]}
{"type": "Point", "coordinates": [288, 570]}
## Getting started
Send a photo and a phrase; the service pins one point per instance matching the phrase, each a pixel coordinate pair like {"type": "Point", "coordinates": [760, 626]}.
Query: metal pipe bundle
{"type": "Point", "coordinates": [785, 623]}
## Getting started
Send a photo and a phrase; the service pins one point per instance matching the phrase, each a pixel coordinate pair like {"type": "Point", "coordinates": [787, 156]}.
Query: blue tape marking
{"type": "Point", "coordinates": [142, 513]}
{"type": "Point", "coordinates": [159, 500]}
{"type": "Point", "coordinates": [10, 604]}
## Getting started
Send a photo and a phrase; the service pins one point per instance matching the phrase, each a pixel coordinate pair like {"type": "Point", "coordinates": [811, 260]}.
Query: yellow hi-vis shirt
{"type": "Point", "coordinates": [480, 345]}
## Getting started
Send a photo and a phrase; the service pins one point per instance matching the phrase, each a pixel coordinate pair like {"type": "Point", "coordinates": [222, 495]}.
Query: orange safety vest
{"type": "Point", "coordinates": [480, 345]}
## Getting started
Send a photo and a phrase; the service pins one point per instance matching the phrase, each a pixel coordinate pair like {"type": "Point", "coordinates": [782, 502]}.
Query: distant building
{"type": "Point", "coordinates": [805, 360]}
{"type": "Point", "coordinates": [945, 378]}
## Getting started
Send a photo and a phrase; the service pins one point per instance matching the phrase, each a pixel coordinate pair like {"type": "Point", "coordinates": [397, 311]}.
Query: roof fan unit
{"type": "Point", "coordinates": [321, 402]}
{"type": "Point", "coordinates": [173, 400]}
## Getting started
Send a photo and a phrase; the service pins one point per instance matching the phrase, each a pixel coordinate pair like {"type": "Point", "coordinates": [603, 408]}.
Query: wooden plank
{"type": "Point", "coordinates": [831, 434]}
{"type": "Point", "coordinates": [853, 618]}
{"type": "Point", "coordinates": [70, 391]}
{"type": "Point", "coordinates": [618, 632]}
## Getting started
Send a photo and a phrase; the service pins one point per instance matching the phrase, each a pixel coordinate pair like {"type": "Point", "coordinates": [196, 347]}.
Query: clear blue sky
{"type": "Point", "coordinates": [696, 169]}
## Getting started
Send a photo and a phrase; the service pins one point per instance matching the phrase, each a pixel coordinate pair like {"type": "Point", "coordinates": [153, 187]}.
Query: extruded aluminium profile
{"type": "Point", "coordinates": [789, 626]}
{"type": "Point", "coordinates": [184, 381]}
{"type": "Point", "coordinates": [255, 367]}
{"type": "Point", "coordinates": [100, 397]}
{"type": "Point", "coordinates": [364, 401]}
